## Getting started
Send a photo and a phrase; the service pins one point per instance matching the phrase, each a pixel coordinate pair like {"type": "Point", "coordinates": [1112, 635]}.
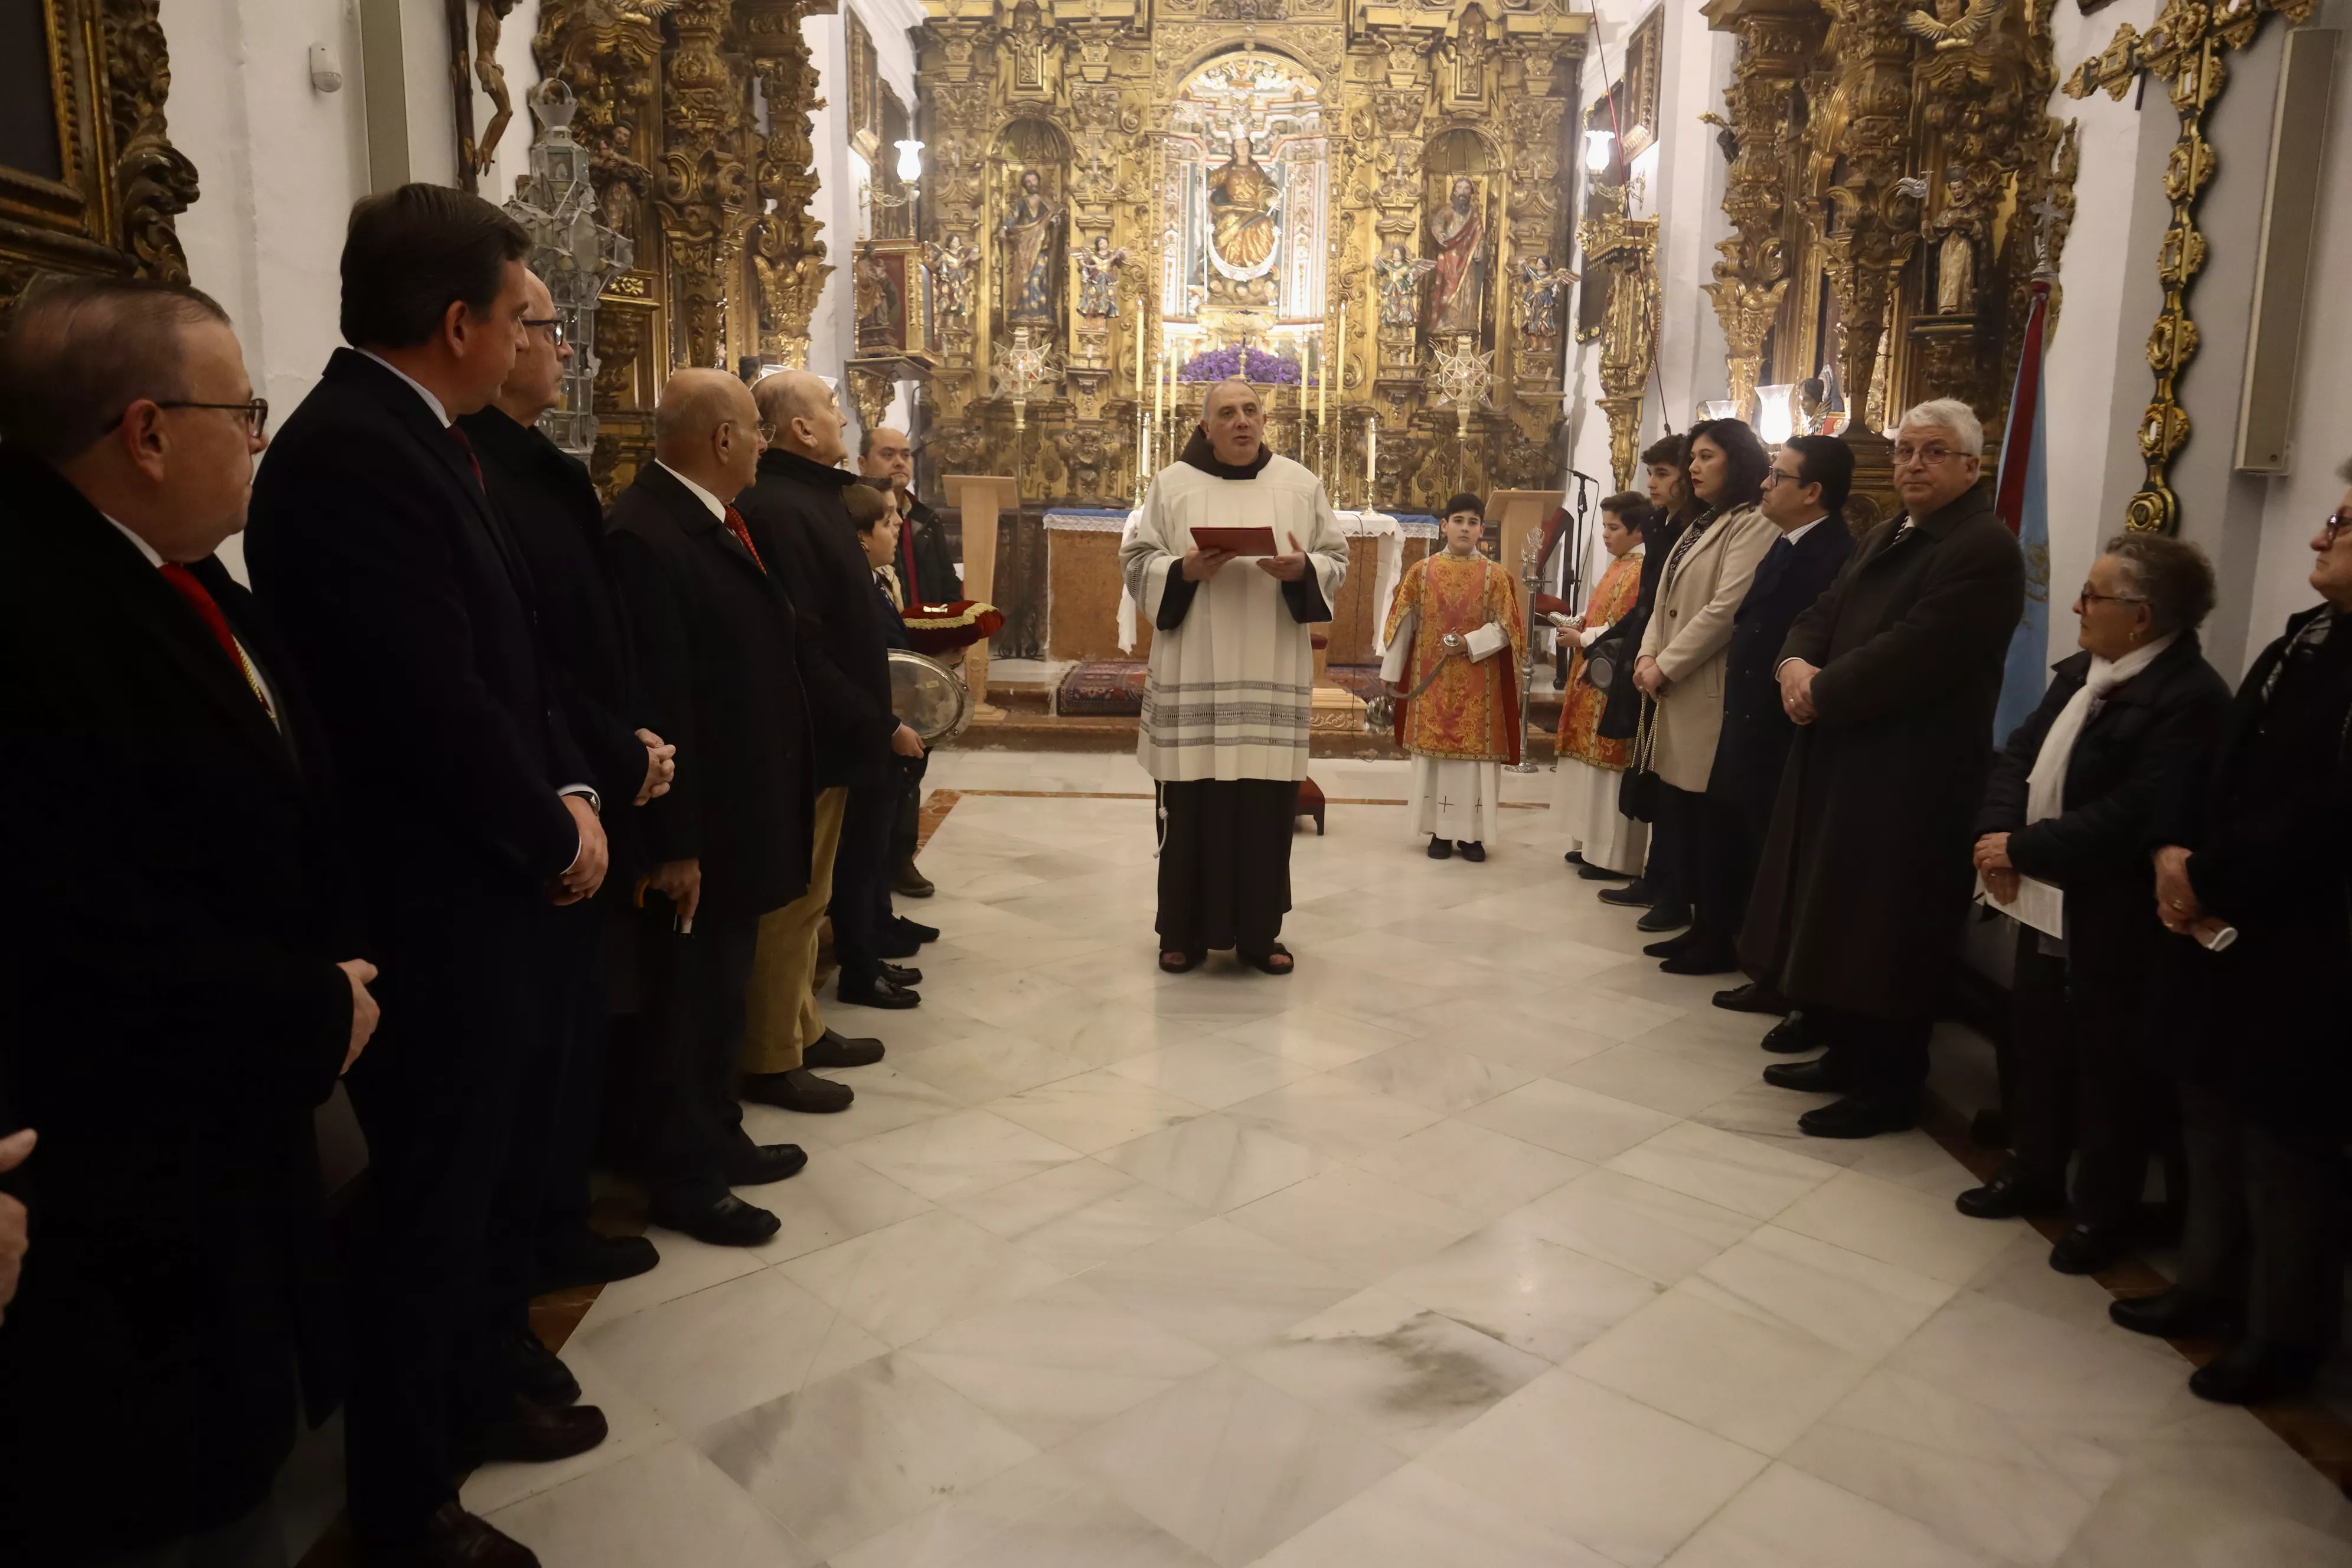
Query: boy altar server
{"type": "Point", "coordinates": [1460, 713]}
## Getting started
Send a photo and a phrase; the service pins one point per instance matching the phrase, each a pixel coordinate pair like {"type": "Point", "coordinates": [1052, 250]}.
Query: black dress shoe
{"type": "Point", "coordinates": [2255, 1371]}
{"type": "Point", "coordinates": [452, 1539]}
{"type": "Point", "coordinates": [591, 1259]}
{"type": "Point", "coordinates": [830, 1049]}
{"type": "Point", "coordinates": [535, 1435]}
{"type": "Point", "coordinates": [2175, 1314]}
{"type": "Point", "coordinates": [2090, 1248]}
{"type": "Point", "coordinates": [1592, 873]}
{"type": "Point", "coordinates": [880, 992]}
{"type": "Point", "coordinates": [1753, 998]}
{"type": "Point", "coordinates": [1574, 857]}
{"type": "Point", "coordinates": [757, 1164]}
{"type": "Point", "coordinates": [1854, 1117]}
{"type": "Point", "coordinates": [537, 1373]}
{"type": "Point", "coordinates": [893, 945]}
{"type": "Point", "coordinates": [1471, 850]}
{"type": "Point", "coordinates": [1671, 945]}
{"type": "Point", "coordinates": [1822, 1075]}
{"type": "Point", "coordinates": [900, 974]}
{"type": "Point", "coordinates": [1440, 849]}
{"type": "Point", "coordinates": [910, 883]}
{"type": "Point", "coordinates": [1633, 895]}
{"type": "Point", "coordinates": [1665, 917]}
{"type": "Point", "coordinates": [726, 1221]}
{"type": "Point", "coordinates": [798, 1090]}
{"type": "Point", "coordinates": [915, 929]}
{"type": "Point", "coordinates": [2011, 1195]}
{"type": "Point", "coordinates": [1793, 1034]}
{"type": "Point", "coordinates": [1701, 958]}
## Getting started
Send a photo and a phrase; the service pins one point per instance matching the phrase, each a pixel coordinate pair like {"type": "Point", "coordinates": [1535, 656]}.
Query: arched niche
{"type": "Point", "coordinates": [1246, 198]}
{"type": "Point", "coordinates": [1462, 209]}
{"type": "Point", "coordinates": [1030, 173]}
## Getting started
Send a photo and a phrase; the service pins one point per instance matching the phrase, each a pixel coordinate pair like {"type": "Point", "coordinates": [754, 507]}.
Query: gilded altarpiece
{"type": "Point", "coordinates": [1139, 186]}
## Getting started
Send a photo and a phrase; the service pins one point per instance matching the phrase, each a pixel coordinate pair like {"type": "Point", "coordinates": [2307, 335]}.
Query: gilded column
{"type": "Point", "coordinates": [787, 257]}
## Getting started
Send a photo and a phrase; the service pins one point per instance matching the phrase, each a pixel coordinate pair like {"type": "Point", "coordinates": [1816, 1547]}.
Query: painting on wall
{"type": "Point", "coordinates": [1644, 66]}
{"type": "Point", "coordinates": [865, 89]}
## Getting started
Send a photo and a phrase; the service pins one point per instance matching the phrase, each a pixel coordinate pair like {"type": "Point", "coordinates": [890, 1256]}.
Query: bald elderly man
{"type": "Point", "coordinates": [719, 659]}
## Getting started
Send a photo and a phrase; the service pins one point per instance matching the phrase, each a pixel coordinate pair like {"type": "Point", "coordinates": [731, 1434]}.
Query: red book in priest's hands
{"type": "Point", "coordinates": [1238, 541]}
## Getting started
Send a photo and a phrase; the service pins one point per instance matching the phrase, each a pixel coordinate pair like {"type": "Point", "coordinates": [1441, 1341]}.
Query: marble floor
{"type": "Point", "coordinates": [1476, 1241]}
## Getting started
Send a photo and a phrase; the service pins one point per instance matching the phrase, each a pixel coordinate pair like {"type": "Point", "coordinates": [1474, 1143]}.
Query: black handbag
{"type": "Point", "coordinates": [1637, 791]}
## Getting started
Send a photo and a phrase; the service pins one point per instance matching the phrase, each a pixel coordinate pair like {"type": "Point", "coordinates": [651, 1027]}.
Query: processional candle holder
{"type": "Point", "coordinates": [1463, 379]}
{"type": "Point", "coordinates": [1021, 367]}
{"type": "Point", "coordinates": [1531, 554]}
{"type": "Point", "coordinates": [575, 256]}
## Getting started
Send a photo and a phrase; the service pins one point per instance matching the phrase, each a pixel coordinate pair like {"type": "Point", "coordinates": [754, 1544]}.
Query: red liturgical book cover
{"type": "Point", "coordinates": [1239, 541]}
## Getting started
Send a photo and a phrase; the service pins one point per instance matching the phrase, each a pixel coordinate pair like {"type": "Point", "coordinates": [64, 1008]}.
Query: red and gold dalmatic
{"type": "Point", "coordinates": [1471, 711]}
{"type": "Point", "coordinates": [1612, 600]}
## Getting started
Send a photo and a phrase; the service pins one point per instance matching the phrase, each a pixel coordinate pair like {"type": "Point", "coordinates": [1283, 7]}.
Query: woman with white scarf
{"type": "Point", "coordinates": [2071, 802]}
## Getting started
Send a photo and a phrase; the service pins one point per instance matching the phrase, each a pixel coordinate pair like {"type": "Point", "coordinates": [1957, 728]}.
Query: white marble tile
{"type": "Point", "coordinates": [1482, 1172]}
{"type": "Point", "coordinates": [1485, 1027]}
{"type": "Point", "coordinates": [944, 1158]}
{"type": "Point", "coordinates": [912, 1279]}
{"type": "Point", "coordinates": [1100, 1031]}
{"type": "Point", "coordinates": [1216, 1163]}
{"type": "Point", "coordinates": [1094, 1110]}
{"type": "Point", "coordinates": [1525, 1292]}
{"type": "Point", "coordinates": [1901, 1225]}
{"type": "Point", "coordinates": [1220, 1286]}
{"type": "Point", "coordinates": [1313, 1036]}
{"type": "Point", "coordinates": [1656, 1232]}
{"type": "Point", "coordinates": [1356, 1222]}
{"type": "Point", "coordinates": [1842, 1299]}
{"type": "Point", "coordinates": [1008, 998]}
{"type": "Point", "coordinates": [669, 1505]}
{"type": "Point", "coordinates": [1058, 1363]}
{"type": "Point", "coordinates": [1721, 1168]}
{"type": "Point", "coordinates": [1333, 1116]}
{"type": "Point", "coordinates": [1232, 1464]}
{"type": "Point", "coordinates": [1603, 1471]}
{"type": "Point", "coordinates": [1674, 1084]}
{"type": "Point", "coordinates": [1079, 1214]}
{"type": "Point", "coordinates": [852, 1455]}
{"type": "Point", "coordinates": [1394, 1369]}
{"type": "Point", "coordinates": [834, 1198]}
{"type": "Point", "coordinates": [686, 1266]}
{"type": "Point", "coordinates": [726, 1349]}
{"type": "Point", "coordinates": [1569, 1120]}
{"type": "Point", "coordinates": [887, 1100]}
{"type": "Point", "coordinates": [1427, 1074]}
{"type": "Point", "coordinates": [1415, 1518]}
{"type": "Point", "coordinates": [633, 1426]}
{"type": "Point", "coordinates": [1787, 1518]}
{"type": "Point", "coordinates": [1212, 1072]}
{"type": "Point", "coordinates": [1047, 1513]}
{"type": "Point", "coordinates": [988, 1066]}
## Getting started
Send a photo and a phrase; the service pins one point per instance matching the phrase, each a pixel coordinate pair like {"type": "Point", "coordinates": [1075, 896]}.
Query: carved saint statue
{"type": "Point", "coordinates": [876, 301]}
{"type": "Point", "coordinates": [1541, 291]}
{"type": "Point", "coordinates": [1099, 267]}
{"type": "Point", "coordinates": [954, 262]}
{"type": "Point", "coordinates": [1398, 276]}
{"type": "Point", "coordinates": [1241, 226]}
{"type": "Point", "coordinates": [1458, 231]}
{"type": "Point", "coordinates": [1956, 272]}
{"type": "Point", "coordinates": [1030, 254]}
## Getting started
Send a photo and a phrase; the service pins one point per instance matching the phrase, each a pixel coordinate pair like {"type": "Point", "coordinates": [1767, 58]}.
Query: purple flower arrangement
{"type": "Point", "coordinates": [1249, 365]}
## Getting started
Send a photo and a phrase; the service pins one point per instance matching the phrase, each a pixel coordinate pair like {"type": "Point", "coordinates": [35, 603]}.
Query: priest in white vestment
{"type": "Point", "coordinates": [1225, 706]}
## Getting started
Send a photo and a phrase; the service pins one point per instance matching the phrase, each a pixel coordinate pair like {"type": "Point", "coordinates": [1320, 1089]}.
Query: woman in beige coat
{"type": "Point", "coordinates": [1681, 671]}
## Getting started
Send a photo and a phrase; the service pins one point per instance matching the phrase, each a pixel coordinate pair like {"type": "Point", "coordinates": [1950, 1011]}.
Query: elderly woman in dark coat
{"type": "Point", "coordinates": [2072, 800]}
{"type": "Point", "coordinates": [2264, 848]}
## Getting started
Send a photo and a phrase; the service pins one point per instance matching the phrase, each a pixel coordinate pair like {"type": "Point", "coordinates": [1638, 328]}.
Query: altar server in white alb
{"type": "Point", "coordinates": [1232, 668]}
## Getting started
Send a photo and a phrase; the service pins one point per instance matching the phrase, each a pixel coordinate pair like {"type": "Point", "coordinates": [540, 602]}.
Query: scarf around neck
{"type": "Point", "coordinates": [1198, 454]}
{"type": "Point", "coordinates": [2045, 786]}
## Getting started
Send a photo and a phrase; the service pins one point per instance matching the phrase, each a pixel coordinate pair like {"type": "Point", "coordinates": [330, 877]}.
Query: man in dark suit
{"type": "Point", "coordinates": [925, 567]}
{"type": "Point", "coordinates": [551, 510]}
{"type": "Point", "coordinates": [469, 814]}
{"type": "Point", "coordinates": [1662, 887]}
{"type": "Point", "coordinates": [796, 512]}
{"type": "Point", "coordinates": [1892, 677]}
{"type": "Point", "coordinates": [719, 655]}
{"type": "Point", "coordinates": [1804, 497]}
{"type": "Point", "coordinates": [177, 987]}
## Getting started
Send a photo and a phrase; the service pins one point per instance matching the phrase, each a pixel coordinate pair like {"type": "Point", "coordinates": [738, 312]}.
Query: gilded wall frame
{"type": "Point", "coordinates": [1644, 67]}
{"type": "Point", "coordinates": [863, 69]}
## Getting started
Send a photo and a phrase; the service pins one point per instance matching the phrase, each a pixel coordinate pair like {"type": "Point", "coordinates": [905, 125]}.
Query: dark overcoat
{"type": "Point", "coordinates": [1866, 875]}
{"type": "Point", "coordinates": [2262, 1023]}
{"type": "Point", "coordinates": [926, 566]}
{"type": "Point", "coordinates": [1754, 745]}
{"type": "Point", "coordinates": [170, 1016]}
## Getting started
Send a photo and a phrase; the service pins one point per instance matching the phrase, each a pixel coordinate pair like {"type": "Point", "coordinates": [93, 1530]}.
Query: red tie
{"type": "Point", "coordinates": [743, 536]}
{"type": "Point", "coordinates": [181, 578]}
{"type": "Point", "coordinates": [472, 461]}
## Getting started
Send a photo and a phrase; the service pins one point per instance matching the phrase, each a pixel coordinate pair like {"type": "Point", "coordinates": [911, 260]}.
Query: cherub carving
{"type": "Point", "coordinates": [1955, 23]}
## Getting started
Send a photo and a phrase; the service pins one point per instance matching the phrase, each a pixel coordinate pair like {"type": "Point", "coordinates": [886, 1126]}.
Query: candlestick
{"type": "Point", "coordinates": [1138, 348]}
{"type": "Point", "coordinates": [1372, 453]}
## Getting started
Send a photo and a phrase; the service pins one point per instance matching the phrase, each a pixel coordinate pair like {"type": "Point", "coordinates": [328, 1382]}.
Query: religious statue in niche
{"type": "Point", "coordinates": [1398, 278]}
{"type": "Point", "coordinates": [1458, 230]}
{"type": "Point", "coordinates": [877, 303]}
{"type": "Point", "coordinates": [954, 262]}
{"type": "Point", "coordinates": [1099, 267]}
{"type": "Point", "coordinates": [1541, 288]}
{"type": "Point", "coordinates": [1030, 253]}
{"type": "Point", "coordinates": [1955, 246]}
{"type": "Point", "coordinates": [1243, 232]}
{"type": "Point", "coordinates": [1032, 65]}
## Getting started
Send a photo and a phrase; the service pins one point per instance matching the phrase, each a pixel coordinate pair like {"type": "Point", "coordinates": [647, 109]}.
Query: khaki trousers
{"type": "Point", "coordinates": [781, 1016]}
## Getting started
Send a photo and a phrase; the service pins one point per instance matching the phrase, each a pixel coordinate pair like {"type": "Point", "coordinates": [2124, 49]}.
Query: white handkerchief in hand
{"type": "Point", "coordinates": [1486, 642]}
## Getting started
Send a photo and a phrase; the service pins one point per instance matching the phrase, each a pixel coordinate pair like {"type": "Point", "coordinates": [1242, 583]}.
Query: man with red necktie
{"type": "Point", "coordinates": [179, 978]}
{"type": "Point", "coordinates": [467, 817]}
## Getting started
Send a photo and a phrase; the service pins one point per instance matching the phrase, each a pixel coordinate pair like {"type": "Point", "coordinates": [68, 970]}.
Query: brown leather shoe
{"type": "Point", "coordinates": [536, 1434]}
{"type": "Point", "coordinates": [452, 1539]}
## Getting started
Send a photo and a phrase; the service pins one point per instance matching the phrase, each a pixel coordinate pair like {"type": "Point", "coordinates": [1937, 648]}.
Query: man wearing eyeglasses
{"type": "Point", "coordinates": [1891, 678]}
{"type": "Point", "coordinates": [180, 983]}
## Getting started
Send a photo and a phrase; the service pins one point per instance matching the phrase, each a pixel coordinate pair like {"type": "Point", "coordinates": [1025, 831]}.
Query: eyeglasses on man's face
{"type": "Point", "coordinates": [2332, 527]}
{"type": "Point", "coordinates": [1780, 476]}
{"type": "Point", "coordinates": [1929, 455]}
{"type": "Point", "coordinates": [253, 414]}
{"type": "Point", "coordinates": [551, 325]}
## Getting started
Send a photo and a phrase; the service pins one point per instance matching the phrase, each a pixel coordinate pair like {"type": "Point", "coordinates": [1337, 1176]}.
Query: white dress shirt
{"type": "Point", "coordinates": [717, 508]}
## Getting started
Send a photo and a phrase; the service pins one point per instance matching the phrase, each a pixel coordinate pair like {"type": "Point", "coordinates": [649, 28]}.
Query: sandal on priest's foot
{"type": "Point", "coordinates": [1276, 960]}
{"type": "Point", "coordinates": [1175, 963]}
